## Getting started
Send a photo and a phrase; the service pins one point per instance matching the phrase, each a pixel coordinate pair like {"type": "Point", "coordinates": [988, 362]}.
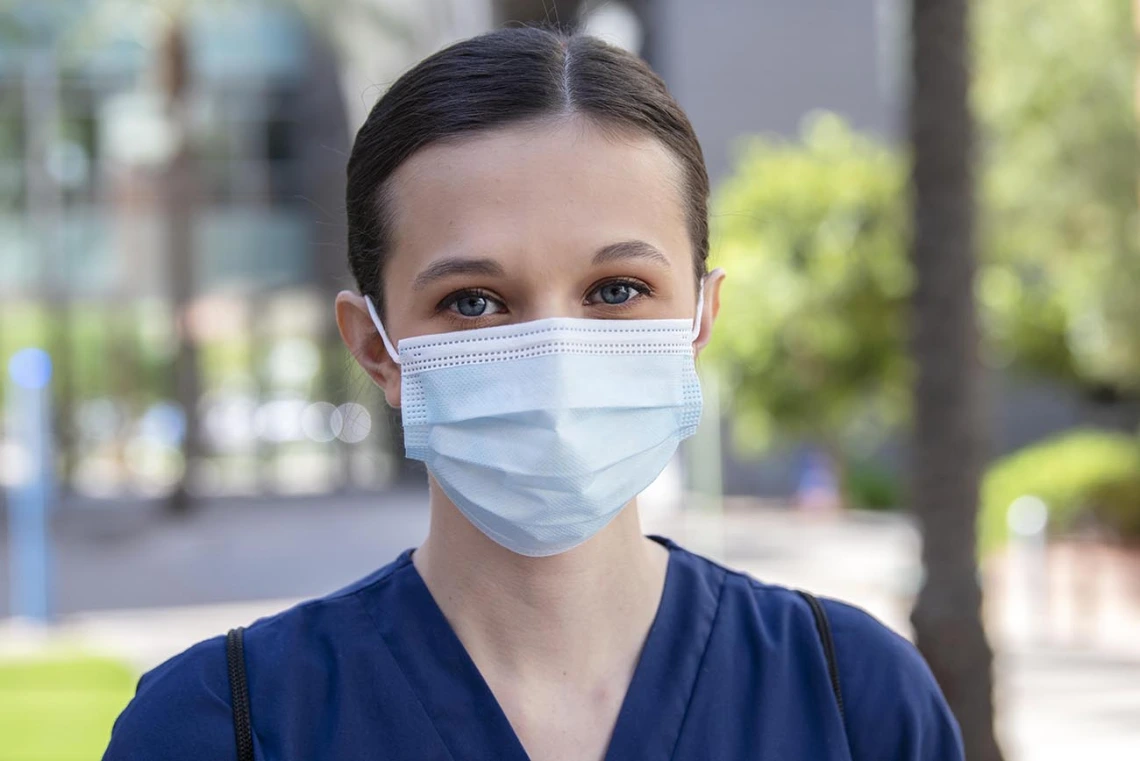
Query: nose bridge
{"type": "Point", "coordinates": [551, 304]}
{"type": "Point", "coordinates": [547, 293]}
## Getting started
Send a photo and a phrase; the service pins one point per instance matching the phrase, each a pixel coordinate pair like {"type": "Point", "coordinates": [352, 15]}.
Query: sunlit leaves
{"type": "Point", "coordinates": [812, 334]}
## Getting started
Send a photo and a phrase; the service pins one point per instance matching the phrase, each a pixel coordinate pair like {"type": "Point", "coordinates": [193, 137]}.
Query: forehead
{"type": "Point", "coordinates": [548, 188]}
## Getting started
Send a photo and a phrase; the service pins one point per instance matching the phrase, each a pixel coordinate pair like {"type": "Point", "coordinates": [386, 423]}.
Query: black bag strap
{"type": "Point", "coordinates": [239, 694]}
{"type": "Point", "coordinates": [824, 628]}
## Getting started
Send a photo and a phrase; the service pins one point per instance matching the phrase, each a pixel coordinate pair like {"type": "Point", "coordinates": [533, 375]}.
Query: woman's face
{"type": "Point", "coordinates": [552, 219]}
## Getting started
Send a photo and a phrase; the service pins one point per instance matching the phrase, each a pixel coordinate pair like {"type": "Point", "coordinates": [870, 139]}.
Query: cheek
{"type": "Point", "coordinates": [685, 290]}
{"type": "Point", "coordinates": [391, 388]}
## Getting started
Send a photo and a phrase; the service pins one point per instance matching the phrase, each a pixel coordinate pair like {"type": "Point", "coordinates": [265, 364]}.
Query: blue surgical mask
{"type": "Point", "coordinates": [541, 432]}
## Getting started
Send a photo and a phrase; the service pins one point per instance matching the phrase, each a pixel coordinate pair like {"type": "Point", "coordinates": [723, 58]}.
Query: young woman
{"type": "Point", "coordinates": [529, 235]}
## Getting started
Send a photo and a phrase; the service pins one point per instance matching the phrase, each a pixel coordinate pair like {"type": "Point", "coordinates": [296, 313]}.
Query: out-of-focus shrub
{"type": "Point", "coordinates": [1078, 475]}
{"type": "Point", "coordinates": [813, 234]}
{"type": "Point", "coordinates": [869, 486]}
{"type": "Point", "coordinates": [1117, 505]}
{"type": "Point", "coordinates": [812, 339]}
{"type": "Point", "coordinates": [1055, 97]}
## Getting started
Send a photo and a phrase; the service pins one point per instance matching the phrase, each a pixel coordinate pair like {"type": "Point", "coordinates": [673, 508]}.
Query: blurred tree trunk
{"type": "Point", "coordinates": [178, 212]}
{"type": "Point", "coordinates": [45, 209]}
{"type": "Point", "coordinates": [322, 146]}
{"type": "Point", "coordinates": [948, 431]}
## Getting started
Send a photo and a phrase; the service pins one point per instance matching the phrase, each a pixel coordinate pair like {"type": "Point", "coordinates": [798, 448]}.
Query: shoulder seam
{"type": "Point", "coordinates": [723, 568]}
{"type": "Point", "coordinates": [337, 596]}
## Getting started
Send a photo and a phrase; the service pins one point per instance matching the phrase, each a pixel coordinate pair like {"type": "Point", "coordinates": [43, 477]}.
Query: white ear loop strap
{"type": "Point", "coordinates": [700, 310]}
{"type": "Point", "coordinates": [395, 355]}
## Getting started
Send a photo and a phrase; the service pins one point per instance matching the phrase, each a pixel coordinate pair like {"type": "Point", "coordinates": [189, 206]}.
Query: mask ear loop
{"type": "Point", "coordinates": [700, 310]}
{"type": "Point", "coordinates": [395, 355]}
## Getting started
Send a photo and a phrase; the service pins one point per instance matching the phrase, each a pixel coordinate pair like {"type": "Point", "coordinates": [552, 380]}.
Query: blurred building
{"type": "Point", "coordinates": [172, 196]}
{"type": "Point", "coordinates": [251, 73]}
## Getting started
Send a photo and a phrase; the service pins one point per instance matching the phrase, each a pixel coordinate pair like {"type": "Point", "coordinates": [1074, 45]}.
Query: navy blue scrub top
{"type": "Point", "coordinates": [732, 669]}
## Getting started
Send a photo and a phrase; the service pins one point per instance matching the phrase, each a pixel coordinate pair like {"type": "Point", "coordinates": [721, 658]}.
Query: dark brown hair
{"type": "Point", "coordinates": [497, 79]}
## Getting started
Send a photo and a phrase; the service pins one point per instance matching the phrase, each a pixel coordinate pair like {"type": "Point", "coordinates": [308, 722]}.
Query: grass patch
{"type": "Point", "coordinates": [60, 708]}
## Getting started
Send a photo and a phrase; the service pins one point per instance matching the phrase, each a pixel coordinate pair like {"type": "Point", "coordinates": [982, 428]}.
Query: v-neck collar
{"type": "Point", "coordinates": [467, 716]}
{"type": "Point", "coordinates": [653, 712]}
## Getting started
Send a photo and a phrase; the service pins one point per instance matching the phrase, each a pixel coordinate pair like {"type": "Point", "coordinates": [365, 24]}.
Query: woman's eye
{"type": "Point", "coordinates": [475, 305]}
{"type": "Point", "coordinates": [615, 293]}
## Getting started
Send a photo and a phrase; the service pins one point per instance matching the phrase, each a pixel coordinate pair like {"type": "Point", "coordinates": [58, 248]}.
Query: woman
{"type": "Point", "coordinates": [528, 232]}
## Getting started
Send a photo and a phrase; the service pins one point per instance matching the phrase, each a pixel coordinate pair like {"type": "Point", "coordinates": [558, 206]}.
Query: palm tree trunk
{"type": "Point", "coordinates": [948, 421]}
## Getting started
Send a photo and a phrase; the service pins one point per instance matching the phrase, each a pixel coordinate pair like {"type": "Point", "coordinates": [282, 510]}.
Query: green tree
{"type": "Point", "coordinates": [816, 351]}
{"type": "Point", "coordinates": [1055, 95]}
{"type": "Point", "coordinates": [812, 237]}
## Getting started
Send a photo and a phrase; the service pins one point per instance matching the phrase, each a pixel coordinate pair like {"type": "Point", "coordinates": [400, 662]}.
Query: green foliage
{"type": "Point", "coordinates": [60, 709]}
{"type": "Point", "coordinates": [869, 486]}
{"type": "Point", "coordinates": [1083, 473]}
{"type": "Point", "coordinates": [811, 339]}
{"type": "Point", "coordinates": [1116, 505]}
{"type": "Point", "coordinates": [813, 236]}
{"type": "Point", "coordinates": [1055, 98]}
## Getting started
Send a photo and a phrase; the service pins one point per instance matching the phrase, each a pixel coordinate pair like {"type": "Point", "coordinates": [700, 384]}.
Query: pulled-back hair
{"type": "Point", "coordinates": [503, 78]}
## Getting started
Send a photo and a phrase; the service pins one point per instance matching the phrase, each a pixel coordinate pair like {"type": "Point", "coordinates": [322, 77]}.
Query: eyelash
{"type": "Point", "coordinates": [642, 288]}
{"type": "Point", "coordinates": [466, 293]}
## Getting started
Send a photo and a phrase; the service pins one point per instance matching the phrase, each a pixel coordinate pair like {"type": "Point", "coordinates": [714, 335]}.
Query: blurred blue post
{"type": "Point", "coordinates": [29, 496]}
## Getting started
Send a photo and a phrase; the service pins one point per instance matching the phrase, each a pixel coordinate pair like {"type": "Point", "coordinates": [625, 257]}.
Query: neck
{"type": "Point", "coordinates": [585, 612]}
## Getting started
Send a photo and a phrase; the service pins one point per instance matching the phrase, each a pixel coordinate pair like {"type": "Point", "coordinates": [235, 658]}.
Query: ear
{"type": "Point", "coordinates": [712, 307]}
{"type": "Point", "coordinates": [365, 344]}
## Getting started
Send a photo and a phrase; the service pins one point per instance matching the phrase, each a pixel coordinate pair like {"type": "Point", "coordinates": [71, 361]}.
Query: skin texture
{"type": "Point", "coordinates": [557, 639]}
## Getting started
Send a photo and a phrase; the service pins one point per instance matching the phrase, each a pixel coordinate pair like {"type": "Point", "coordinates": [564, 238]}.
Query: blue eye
{"type": "Point", "coordinates": [473, 304]}
{"type": "Point", "coordinates": [616, 293]}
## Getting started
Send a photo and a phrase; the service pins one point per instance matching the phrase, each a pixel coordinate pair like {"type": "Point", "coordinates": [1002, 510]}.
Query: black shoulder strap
{"type": "Point", "coordinates": [239, 694]}
{"type": "Point", "coordinates": [824, 628]}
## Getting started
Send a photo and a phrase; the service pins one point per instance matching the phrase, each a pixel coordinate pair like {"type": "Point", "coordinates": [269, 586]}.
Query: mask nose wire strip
{"type": "Point", "coordinates": [380, 328]}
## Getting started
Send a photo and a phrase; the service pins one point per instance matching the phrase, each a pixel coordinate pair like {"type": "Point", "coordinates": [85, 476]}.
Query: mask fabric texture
{"type": "Point", "coordinates": [541, 432]}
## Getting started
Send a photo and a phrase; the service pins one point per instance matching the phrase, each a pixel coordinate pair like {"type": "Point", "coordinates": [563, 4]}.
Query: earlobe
{"type": "Point", "coordinates": [711, 308]}
{"type": "Point", "coordinates": [364, 343]}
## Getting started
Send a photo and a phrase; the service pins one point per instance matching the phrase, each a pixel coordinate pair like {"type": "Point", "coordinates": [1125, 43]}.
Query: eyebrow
{"type": "Point", "coordinates": [626, 249]}
{"type": "Point", "coordinates": [629, 249]}
{"type": "Point", "coordinates": [457, 266]}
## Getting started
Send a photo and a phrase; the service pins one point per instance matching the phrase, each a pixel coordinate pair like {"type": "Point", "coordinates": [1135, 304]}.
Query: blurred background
{"type": "Point", "coordinates": [185, 444]}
